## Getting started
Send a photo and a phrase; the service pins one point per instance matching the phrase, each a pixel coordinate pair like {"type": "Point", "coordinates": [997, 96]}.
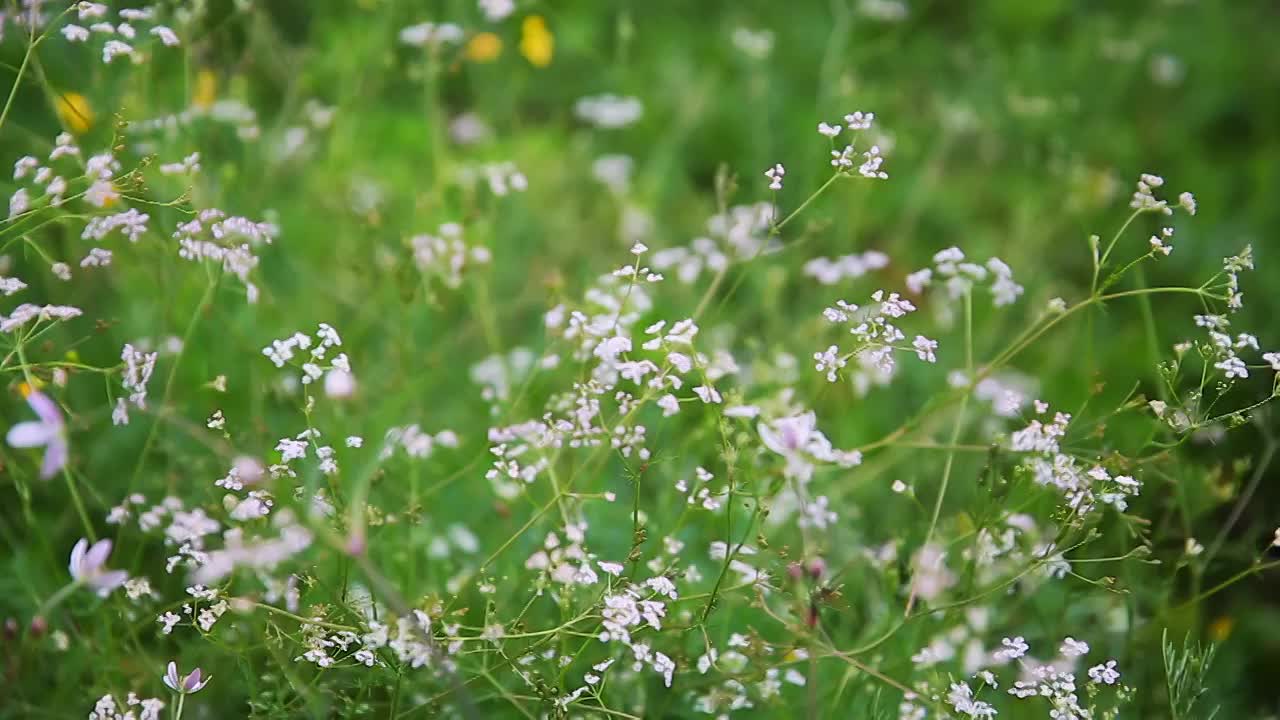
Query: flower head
{"type": "Point", "coordinates": [88, 566]}
{"type": "Point", "coordinates": [537, 44]}
{"type": "Point", "coordinates": [74, 112]}
{"type": "Point", "coordinates": [185, 684]}
{"type": "Point", "coordinates": [798, 439]}
{"type": "Point", "coordinates": [47, 432]}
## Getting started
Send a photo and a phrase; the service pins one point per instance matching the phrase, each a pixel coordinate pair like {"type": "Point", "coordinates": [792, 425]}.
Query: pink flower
{"type": "Point", "coordinates": [47, 432]}
{"type": "Point", "coordinates": [186, 684]}
{"type": "Point", "coordinates": [87, 566]}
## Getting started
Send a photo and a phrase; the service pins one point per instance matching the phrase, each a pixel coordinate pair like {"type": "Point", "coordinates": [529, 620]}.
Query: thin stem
{"type": "Point", "coordinates": [79, 505]}
{"type": "Point", "coordinates": [870, 671]}
{"type": "Point", "coordinates": [1253, 569]}
{"type": "Point", "coordinates": [955, 438]}
{"type": "Point", "coordinates": [56, 599]}
{"type": "Point", "coordinates": [22, 70]}
{"type": "Point", "coordinates": [299, 618]}
{"type": "Point", "coordinates": [1101, 262]}
{"type": "Point", "coordinates": [719, 277]}
{"type": "Point", "coordinates": [806, 203]}
{"type": "Point", "coordinates": [205, 301]}
{"type": "Point", "coordinates": [1268, 452]}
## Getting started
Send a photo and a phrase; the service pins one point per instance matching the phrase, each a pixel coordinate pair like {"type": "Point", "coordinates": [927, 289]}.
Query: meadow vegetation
{"type": "Point", "coordinates": [883, 359]}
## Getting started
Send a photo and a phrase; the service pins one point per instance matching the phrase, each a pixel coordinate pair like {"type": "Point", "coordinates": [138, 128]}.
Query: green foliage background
{"type": "Point", "coordinates": [1018, 129]}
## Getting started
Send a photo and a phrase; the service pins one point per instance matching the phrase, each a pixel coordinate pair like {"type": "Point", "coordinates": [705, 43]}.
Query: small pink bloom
{"type": "Point", "coordinates": [47, 432]}
{"type": "Point", "coordinates": [87, 566]}
{"type": "Point", "coordinates": [185, 684]}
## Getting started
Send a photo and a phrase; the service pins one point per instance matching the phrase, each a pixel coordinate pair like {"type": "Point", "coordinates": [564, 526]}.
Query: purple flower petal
{"type": "Point", "coordinates": [46, 408]}
{"type": "Point", "coordinates": [108, 581]}
{"type": "Point", "coordinates": [55, 457]}
{"type": "Point", "coordinates": [192, 682]}
{"type": "Point", "coordinates": [77, 558]}
{"type": "Point", "coordinates": [171, 677]}
{"type": "Point", "coordinates": [97, 555]}
{"type": "Point", "coordinates": [30, 434]}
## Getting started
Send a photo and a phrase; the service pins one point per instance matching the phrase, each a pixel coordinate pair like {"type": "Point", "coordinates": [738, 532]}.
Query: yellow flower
{"type": "Point", "coordinates": [74, 112]}
{"type": "Point", "coordinates": [536, 42]}
{"type": "Point", "coordinates": [484, 47]}
{"type": "Point", "coordinates": [206, 89]}
{"type": "Point", "coordinates": [1220, 629]}
{"type": "Point", "coordinates": [25, 390]}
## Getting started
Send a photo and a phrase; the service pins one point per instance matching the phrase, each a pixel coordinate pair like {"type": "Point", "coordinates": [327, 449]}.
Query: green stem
{"type": "Point", "coordinates": [205, 301]}
{"type": "Point", "coordinates": [955, 439]}
{"type": "Point", "coordinates": [806, 203]}
{"type": "Point", "coordinates": [22, 70]}
{"type": "Point", "coordinates": [56, 599]}
{"type": "Point", "coordinates": [1251, 570]}
{"type": "Point", "coordinates": [79, 504]}
{"type": "Point", "coordinates": [1101, 262]}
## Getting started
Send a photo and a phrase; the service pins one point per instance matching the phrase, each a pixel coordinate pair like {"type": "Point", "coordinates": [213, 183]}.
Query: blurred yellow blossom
{"type": "Point", "coordinates": [74, 112]}
{"type": "Point", "coordinates": [484, 47]}
{"type": "Point", "coordinates": [206, 90]}
{"type": "Point", "coordinates": [1220, 629]}
{"type": "Point", "coordinates": [536, 42]}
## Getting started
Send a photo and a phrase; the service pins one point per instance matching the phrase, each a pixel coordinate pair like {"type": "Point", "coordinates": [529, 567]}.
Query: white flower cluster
{"type": "Point", "coordinates": [877, 336]}
{"type": "Point", "coordinates": [26, 313]}
{"type": "Point", "coordinates": [568, 562]}
{"type": "Point", "coordinates": [634, 608]}
{"type": "Point", "coordinates": [446, 254]}
{"type": "Point", "coordinates": [409, 639]}
{"type": "Point", "coordinates": [755, 44]}
{"type": "Point", "coordinates": [133, 708]}
{"type": "Point", "coordinates": [326, 647]}
{"type": "Point", "coordinates": [741, 233]}
{"type": "Point", "coordinates": [1083, 489]}
{"type": "Point", "coordinates": [1144, 197]}
{"type": "Point", "coordinates": [138, 367]}
{"type": "Point", "coordinates": [497, 375]}
{"type": "Point", "coordinates": [608, 111]}
{"type": "Point", "coordinates": [614, 172]}
{"type": "Point", "coordinates": [843, 160]}
{"type": "Point", "coordinates": [187, 166]}
{"type": "Point", "coordinates": [846, 267]}
{"type": "Point", "coordinates": [496, 10]}
{"type": "Point", "coordinates": [10, 286]}
{"type": "Point", "coordinates": [119, 38]}
{"type": "Point", "coordinates": [432, 35]}
{"type": "Point", "coordinates": [339, 381]}
{"type": "Point", "coordinates": [131, 223]}
{"type": "Point", "coordinates": [733, 694]}
{"type": "Point", "coordinates": [414, 442]}
{"type": "Point", "coordinates": [228, 111]}
{"type": "Point", "coordinates": [45, 184]}
{"type": "Point", "coordinates": [255, 553]}
{"type": "Point", "coordinates": [960, 277]}
{"type": "Point", "coordinates": [1222, 347]}
{"type": "Point", "coordinates": [213, 236]}
{"type": "Point", "coordinates": [797, 439]}
{"type": "Point", "coordinates": [775, 175]}
{"type": "Point", "coordinates": [1052, 682]}
{"type": "Point", "coordinates": [510, 445]}
{"type": "Point", "coordinates": [1232, 267]}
